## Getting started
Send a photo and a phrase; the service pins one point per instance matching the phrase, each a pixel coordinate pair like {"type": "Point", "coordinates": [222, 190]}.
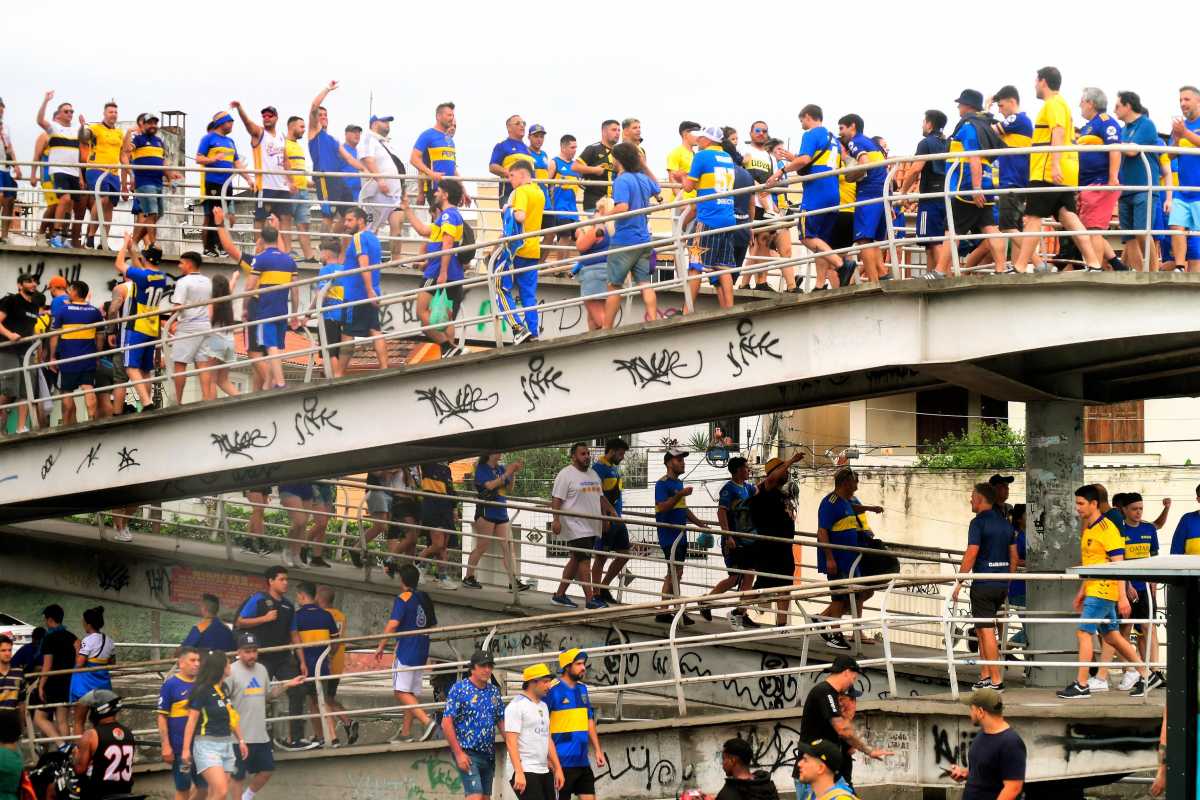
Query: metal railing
{"type": "Point", "coordinates": [904, 256]}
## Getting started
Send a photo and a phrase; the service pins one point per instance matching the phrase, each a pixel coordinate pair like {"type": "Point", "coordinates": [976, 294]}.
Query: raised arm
{"type": "Point", "coordinates": [42, 122]}
{"type": "Point", "coordinates": [314, 110]}
{"type": "Point", "coordinates": [253, 128]}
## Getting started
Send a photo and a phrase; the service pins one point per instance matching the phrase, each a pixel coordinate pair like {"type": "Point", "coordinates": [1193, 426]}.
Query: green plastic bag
{"type": "Point", "coordinates": [440, 309]}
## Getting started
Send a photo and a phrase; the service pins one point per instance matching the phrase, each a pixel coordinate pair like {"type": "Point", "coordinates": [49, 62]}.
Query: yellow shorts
{"type": "Point", "coordinates": [48, 193]}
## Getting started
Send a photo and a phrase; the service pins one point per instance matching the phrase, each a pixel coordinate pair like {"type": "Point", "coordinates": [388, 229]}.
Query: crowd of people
{"type": "Point", "coordinates": [363, 183]}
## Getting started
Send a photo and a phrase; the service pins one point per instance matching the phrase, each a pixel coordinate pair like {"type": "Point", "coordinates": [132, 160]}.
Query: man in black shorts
{"type": "Point", "coordinates": [973, 211]}
{"type": "Point", "coordinates": [614, 538]}
{"type": "Point", "coordinates": [58, 652]}
{"type": "Point", "coordinates": [770, 517]}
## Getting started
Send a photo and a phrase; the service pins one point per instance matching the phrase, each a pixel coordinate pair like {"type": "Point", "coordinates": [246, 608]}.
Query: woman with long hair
{"type": "Point", "coordinates": [493, 482]}
{"type": "Point", "coordinates": [212, 727]}
{"type": "Point", "coordinates": [217, 349]}
{"type": "Point", "coordinates": [95, 649]}
{"type": "Point", "coordinates": [592, 241]}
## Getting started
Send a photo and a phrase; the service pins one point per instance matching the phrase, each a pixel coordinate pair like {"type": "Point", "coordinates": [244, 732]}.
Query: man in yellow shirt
{"type": "Point", "coordinates": [1102, 600]}
{"type": "Point", "coordinates": [105, 143]}
{"type": "Point", "coordinates": [1053, 128]}
{"type": "Point", "coordinates": [527, 203]}
{"type": "Point", "coordinates": [679, 160]}
{"type": "Point", "coordinates": [297, 164]}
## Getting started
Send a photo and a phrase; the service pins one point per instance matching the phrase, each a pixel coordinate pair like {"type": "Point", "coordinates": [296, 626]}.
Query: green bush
{"type": "Point", "coordinates": [988, 447]}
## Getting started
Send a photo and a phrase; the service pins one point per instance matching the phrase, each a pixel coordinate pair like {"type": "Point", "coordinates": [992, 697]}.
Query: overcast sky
{"type": "Point", "coordinates": [656, 61]}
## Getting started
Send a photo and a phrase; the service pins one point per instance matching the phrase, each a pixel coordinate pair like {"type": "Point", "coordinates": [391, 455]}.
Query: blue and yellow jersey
{"type": "Point", "coordinates": [1141, 541]}
{"type": "Point", "coordinates": [365, 243]}
{"type": "Point", "coordinates": [149, 287]}
{"type": "Point", "coordinates": [173, 704]}
{"type": "Point", "coordinates": [612, 484]}
{"type": "Point", "coordinates": [1098, 542]}
{"type": "Point", "coordinates": [1187, 167]}
{"type": "Point", "coordinates": [1055, 113]}
{"type": "Point", "coordinates": [315, 626]}
{"type": "Point", "coordinates": [296, 160]}
{"type": "Point", "coordinates": [965, 140]}
{"type": "Point", "coordinates": [509, 152]}
{"type": "Point", "coordinates": [148, 151]}
{"type": "Point", "coordinates": [529, 198]}
{"type": "Point", "coordinates": [836, 516]}
{"type": "Point", "coordinates": [1100, 129]}
{"type": "Point", "coordinates": [448, 223]}
{"type": "Point", "coordinates": [871, 185]}
{"type": "Point", "coordinates": [437, 150]}
{"type": "Point", "coordinates": [563, 195]}
{"type": "Point", "coordinates": [336, 293]}
{"type": "Point", "coordinates": [1017, 131]}
{"type": "Point", "coordinates": [541, 171]}
{"type": "Point", "coordinates": [712, 170]}
{"type": "Point", "coordinates": [409, 609]}
{"type": "Point", "coordinates": [274, 269]}
{"type": "Point", "coordinates": [1186, 539]}
{"type": "Point", "coordinates": [820, 146]}
{"type": "Point", "coordinates": [570, 714]}
{"type": "Point", "coordinates": [47, 182]}
{"type": "Point", "coordinates": [106, 145]}
{"type": "Point", "coordinates": [222, 148]}
{"type": "Point", "coordinates": [74, 339]}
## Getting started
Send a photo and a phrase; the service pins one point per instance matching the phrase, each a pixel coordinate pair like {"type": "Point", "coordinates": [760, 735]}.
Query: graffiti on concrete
{"type": "Point", "coordinates": [312, 418]}
{"type": "Point", "coordinates": [239, 443]}
{"type": "Point", "coordinates": [640, 762]}
{"type": "Point", "coordinates": [467, 400]}
{"type": "Point", "coordinates": [660, 367]}
{"type": "Point", "coordinates": [111, 575]}
{"type": "Point", "coordinates": [750, 347]}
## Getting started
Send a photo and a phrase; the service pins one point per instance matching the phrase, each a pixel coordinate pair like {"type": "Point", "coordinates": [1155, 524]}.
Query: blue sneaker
{"type": "Point", "coordinates": [594, 603]}
{"type": "Point", "coordinates": [56, 241]}
{"type": "Point", "coordinates": [563, 600]}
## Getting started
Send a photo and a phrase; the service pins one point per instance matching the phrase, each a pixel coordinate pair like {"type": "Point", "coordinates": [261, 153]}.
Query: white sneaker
{"type": "Point", "coordinates": [288, 561]}
{"type": "Point", "coordinates": [122, 535]}
{"type": "Point", "coordinates": [1094, 685]}
{"type": "Point", "coordinates": [1128, 681]}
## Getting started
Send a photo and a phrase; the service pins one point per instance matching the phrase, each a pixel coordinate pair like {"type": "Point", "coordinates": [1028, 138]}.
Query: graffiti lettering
{"type": "Point", "coordinates": [540, 380]}
{"type": "Point", "coordinates": [8, 478]}
{"type": "Point", "coordinates": [312, 418]}
{"type": "Point", "coordinates": [944, 752]}
{"type": "Point", "coordinates": [112, 575]}
{"type": "Point", "coordinates": [439, 773]}
{"type": "Point", "coordinates": [638, 761]}
{"type": "Point", "coordinates": [750, 347]}
{"type": "Point", "coordinates": [158, 581]}
{"type": "Point", "coordinates": [930, 589]}
{"type": "Point", "coordinates": [262, 474]}
{"type": "Point", "coordinates": [125, 454]}
{"type": "Point", "coordinates": [776, 751]}
{"type": "Point", "coordinates": [90, 459]}
{"type": "Point", "coordinates": [238, 442]}
{"type": "Point", "coordinates": [468, 400]}
{"type": "Point", "coordinates": [49, 463]}
{"type": "Point", "coordinates": [660, 368]}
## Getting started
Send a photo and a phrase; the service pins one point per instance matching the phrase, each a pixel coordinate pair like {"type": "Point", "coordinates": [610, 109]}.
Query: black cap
{"type": "Point", "coordinates": [998, 479]}
{"type": "Point", "coordinates": [972, 98]}
{"type": "Point", "coordinates": [482, 658]}
{"type": "Point", "coordinates": [823, 750]}
{"type": "Point", "coordinates": [739, 749]}
{"type": "Point", "coordinates": [853, 693]}
{"type": "Point", "coordinates": [269, 110]}
{"type": "Point", "coordinates": [843, 663]}
{"type": "Point", "coordinates": [247, 640]}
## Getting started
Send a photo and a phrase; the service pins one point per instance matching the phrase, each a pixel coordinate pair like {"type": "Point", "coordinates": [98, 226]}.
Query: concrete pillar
{"type": "Point", "coordinates": [1053, 470]}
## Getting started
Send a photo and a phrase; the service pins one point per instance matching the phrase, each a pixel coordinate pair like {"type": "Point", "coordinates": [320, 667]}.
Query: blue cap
{"type": "Point", "coordinates": [536, 128]}
{"type": "Point", "coordinates": [375, 119]}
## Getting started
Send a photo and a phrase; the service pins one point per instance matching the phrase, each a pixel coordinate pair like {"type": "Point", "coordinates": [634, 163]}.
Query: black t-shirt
{"type": "Point", "coordinates": [768, 511]}
{"type": "Point", "coordinates": [111, 770]}
{"type": "Point", "coordinates": [596, 155]}
{"type": "Point", "coordinates": [933, 174]}
{"type": "Point", "coordinates": [214, 707]}
{"type": "Point", "coordinates": [59, 644]}
{"type": "Point", "coordinates": [20, 316]}
{"type": "Point", "coordinates": [816, 721]}
{"type": "Point", "coordinates": [278, 631]}
{"type": "Point", "coordinates": [994, 758]}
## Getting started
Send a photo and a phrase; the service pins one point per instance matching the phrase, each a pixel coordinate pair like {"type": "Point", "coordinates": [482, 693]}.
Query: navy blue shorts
{"type": "Point", "coordinates": [674, 551]}
{"type": "Point", "coordinates": [931, 219]}
{"type": "Point", "coordinates": [109, 184]}
{"type": "Point", "coordinates": [302, 490]}
{"type": "Point", "coordinates": [264, 335]}
{"type": "Point", "coordinates": [259, 758]}
{"type": "Point", "coordinates": [716, 250]}
{"type": "Point", "coordinates": [274, 201]}
{"type": "Point", "coordinates": [869, 225]}
{"type": "Point", "coordinates": [70, 381]}
{"type": "Point", "coordinates": [819, 225]}
{"type": "Point", "coordinates": [364, 320]}
{"type": "Point", "coordinates": [615, 539]}
{"type": "Point", "coordinates": [65, 183]}
{"type": "Point", "coordinates": [8, 187]}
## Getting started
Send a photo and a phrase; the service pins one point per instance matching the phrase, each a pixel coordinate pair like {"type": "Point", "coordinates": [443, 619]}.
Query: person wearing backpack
{"type": "Point", "coordinates": [733, 514]}
{"type": "Point", "coordinates": [447, 232]}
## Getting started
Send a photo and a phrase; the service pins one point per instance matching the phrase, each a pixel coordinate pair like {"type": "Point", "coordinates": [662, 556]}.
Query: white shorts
{"type": "Point", "coordinates": [378, 204]}
{"type": "Point", "coordinates": [187, 344]}
{"type": "Point", "coordinates": [407, 680]}
{"type": "Point", "coordinates": [1185, 214]}
{"type": "Point", "coordinates": [218, 346]}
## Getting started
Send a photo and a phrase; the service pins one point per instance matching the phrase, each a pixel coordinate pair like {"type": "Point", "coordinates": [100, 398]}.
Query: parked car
{"type": "Point", "coordinates": [20, 632]}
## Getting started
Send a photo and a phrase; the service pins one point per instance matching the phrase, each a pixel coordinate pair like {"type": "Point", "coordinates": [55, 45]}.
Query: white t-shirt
{"type": "Point", "coordinates": [371, 146]}
{"type": "Point", "coordinates": [272, 155]}
{"type": "Point", "coordinates": [63, 148]}
{"type": "Point", "coordinates": [579, 492]}
{"type": "Point", "coordinates": [98, 646]}
{"type": "Point", "coordinates": [193, 288]}
{"type": "Point", "coordinates": [531, 722]}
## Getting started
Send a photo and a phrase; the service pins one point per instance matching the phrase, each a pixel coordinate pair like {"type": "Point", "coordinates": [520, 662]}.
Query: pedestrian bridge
{"type": "Point", "coordinates": [1017, 337]}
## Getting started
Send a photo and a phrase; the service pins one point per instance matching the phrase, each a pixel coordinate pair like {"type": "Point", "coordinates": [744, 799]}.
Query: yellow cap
{"type": "Point", "coordinates": [568, 657]}
{"type": "Point", "coordinates": [535, 672]}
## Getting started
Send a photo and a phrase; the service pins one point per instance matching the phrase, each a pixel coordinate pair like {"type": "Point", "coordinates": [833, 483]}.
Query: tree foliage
{"type": "Point", "coordinates": [996, 447]}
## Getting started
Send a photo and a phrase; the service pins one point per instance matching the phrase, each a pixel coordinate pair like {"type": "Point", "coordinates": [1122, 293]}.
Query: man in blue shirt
{"type": "Point", "coordinates": [930, 177]}
{"type": "Point", "coordinates": [1135, 205]}
{"type": "Point", "coordinates": [1141, 541]}
{"type": "Point", "coordinates": [632, 191]}
{"type": "Point", "coordinates": [991, 548]}
{"type": "Point", "coordinates": [473, 713]}
{"type": "Point", "coordinates": [1097, 170]}
{"type": "Point", "coordinates": [274, 270]}
{"type": "Point", "coordinates": [1185, 205]}
{"type": "Point", "coordinates": [433, 154]}
{"type": "Point", "coordinates": [362, 250]}
{"type": "Point", "coordinates": [334, 193]}
{"type": "Point", "coordinates": [74, 336]}
{"type": "Point", "coordinates": [1016, 129]}
{"type": "Point", "coordinates": [733, 514]}
{"type": "Point", "coordinates": [712, 173]}
{"type": "Point", "coordinates": [1186, 539]}
{"type": "Point", "coordinates": [869, 224]}
{"type": "Point", "coordinates": [670, 508]}
{"type": "Point", "coordinates": [210, 633]}
{"type": "Point", "coordinates": [971, 175]}
{"type": "Point", "coordinates": [412, 610]}
{"type": "Point", "coordinates": [508, 152]}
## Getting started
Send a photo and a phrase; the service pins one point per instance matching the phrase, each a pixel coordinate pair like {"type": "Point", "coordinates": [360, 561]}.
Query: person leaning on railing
{"type": "Point", "coordinates": [445, 233]}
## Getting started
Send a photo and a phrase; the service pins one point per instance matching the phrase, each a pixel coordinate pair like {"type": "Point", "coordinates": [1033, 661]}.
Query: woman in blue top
{"type": "Point", "coordinates": [95, 649]}
{"type": "Point", "coordinates": [592, 272]}
{"type": "Point", "coordinates": [493, 482]}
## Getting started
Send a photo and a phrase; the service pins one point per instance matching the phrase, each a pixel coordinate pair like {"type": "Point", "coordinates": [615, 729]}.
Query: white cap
{"type": "Point", "coordinates": [713, 133]}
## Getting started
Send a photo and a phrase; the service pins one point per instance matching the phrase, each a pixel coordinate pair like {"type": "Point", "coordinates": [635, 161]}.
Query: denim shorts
{"type": "Point", "coordinates": [149, 199]}
{"type": "Point", "coordinates": [1131, 211]}
{"type": "Point", "coordinates": [623, 263]}
{"type": "Point", "coordinates": [1099, 608]}
{"type": "Point", "coordinates": [478, 779]}
{"type": "Point", "coordinates": [213, 751]}
{"type": "Point", "coordinates": [593, 279]}
{"type": "Point", "coordinates": [185, 777]}
{"type": "Point", "coordinates": [302, 209]}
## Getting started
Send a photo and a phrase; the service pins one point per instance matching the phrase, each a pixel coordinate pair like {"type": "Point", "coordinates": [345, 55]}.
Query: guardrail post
{"type": "Point", "coordinates": [682, 262]}
{"type": "Point", "coordinates": [680, 700]}
{"type": "Point", "coordinates": [888, 220]}
{"type": "Point", "coordinates": [951, 239]}
{"type": "Point", "coordinates": [223, 527]}
{"type": "Point", "coordinates": [322, 336]}
{"type": "Point", "coordinates": [493, 284]}
{"type": "Point", "coordinates": [510, 563]}
{"type": "Point", "coordinates": [620, 672]}
{"type": "Point", "coordinates": [887, 642]}
{"type": "Point", "coordinates": [169, 365]}
{"type": "Point", "coordinates": [1149, 213]}
{"type": "Point", "coordinates": [322, 710]}
{"type": "Point", "coordinates": [682, 535]}
{"type": "Point", "coordinates": [31, 420]}
{"type": "Point", "coordinates": [947, 633]}
{"type": "Point", "coordinates": [856, 629]}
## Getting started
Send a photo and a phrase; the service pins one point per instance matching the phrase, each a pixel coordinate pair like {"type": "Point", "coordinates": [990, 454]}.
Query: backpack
{"type": "Point", "coordinates": [465, 257]}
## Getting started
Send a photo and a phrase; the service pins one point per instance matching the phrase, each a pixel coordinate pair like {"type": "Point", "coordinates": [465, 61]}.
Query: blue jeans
{"type": "Point", "coordinates": [478, 779]}
{"type": "Point", "coordinates": [1099, 608]}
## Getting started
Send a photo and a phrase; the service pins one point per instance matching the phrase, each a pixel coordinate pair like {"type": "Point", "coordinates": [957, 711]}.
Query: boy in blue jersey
{"type": "Point", "coordinates": [818, 153]}
{"type": "Point", "coordinates": [712, 172]}
{"type": "Point", "coordinates": [361, 320]}
{"type": "Point", "coordinates": [412, 610]}
{"type": "Point", "coordinates": [171, 719]}
{"type": "Point", "coordinates": [73, 339]}
{"type": "Point", "coordinates": [331, 313]}
{"type": "Point", "coordinates": [1184, 216]}
{"type": "Point", "coordinates": [274, 269]}
{"type": "Point", "coordinates": [316, 626]}
{"type": "Point", "coordinates": [446, 233]}
{"type": "Point", "coordinates": [614, 538]}
{"type": "Point", "coordinates": [433, 154]}
{"type": "Point", "coordinates": [869, 224]}
{"type": "Point", "coordinates": [149, 285]}
{"type": "Point", "coordinates": [838, 522]}
{"type": "Point", "coordinates": [1016, 129]}
{"type": "Point", "coordinates": [1141, 541]}
{"type": "Point", "coordinates": [733, 514]}
{"type": "Point", "coordinates": [217, 150]}
{"type": "Point", "coordinates": [929, 177]}
{"type": "Point", "coordinates": [210, 633]}
{"type": "Point", "coordinates": [573, 726]}
{"type": "Point", "coordinates": [541, 173]}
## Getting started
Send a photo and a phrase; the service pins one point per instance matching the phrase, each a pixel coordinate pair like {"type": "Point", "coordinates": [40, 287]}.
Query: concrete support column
{"type": "Point", "coordinates": [1053, 470]}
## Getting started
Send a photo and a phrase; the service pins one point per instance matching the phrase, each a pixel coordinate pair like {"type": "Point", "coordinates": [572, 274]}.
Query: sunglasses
{"type": "Point", "coordinates": [759, 130]}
